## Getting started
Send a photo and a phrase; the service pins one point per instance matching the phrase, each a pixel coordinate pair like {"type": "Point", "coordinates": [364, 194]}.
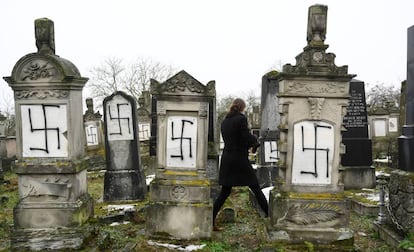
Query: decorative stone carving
{"type": "Point", "coordinates": [178, 192]}
{"type": "Point", "coordinates": [45, 36]}
{"type": "Point", "coordinates": [316, 105]}
{"type": "Point", "coordinates": [182, 82]}
{"type": "Point", "coordinates": [314, 88]}
{"type": "Point", "coordinates": [38, 69]}
{"type": "Point", "coordinates": [41, 94]}
{"type": "Point", "coordinates": [317, 24]}
{"type": "Point", "coordinates": [311, 213]}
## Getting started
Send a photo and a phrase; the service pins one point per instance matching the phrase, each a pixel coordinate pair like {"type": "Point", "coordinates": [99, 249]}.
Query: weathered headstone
{"type": "Point", "coordinates": [267, 169]}
{"type": "Point", "coordinates": [406, 140]}
{"type": "Point", "coordinates": [124, 177]}
{"type": "Point", "coordinates": [51, 168]}
{"type": "Point", "coordinates": [95, 147]}
{"type": "Point", "coordinates": [180, 202]}
{"type": "Point", "coordinates": [144, 131]}
{"type": "Point", "coordinates": [308, 202]}
{"type": "Point", "coordinates": [357, 159]}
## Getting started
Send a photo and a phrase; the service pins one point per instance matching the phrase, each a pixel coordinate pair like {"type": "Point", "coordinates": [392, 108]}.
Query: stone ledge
{"type": "Point", "coordinates": [389, 236]}
{"type": "Point", "coordinates": [362, 208]}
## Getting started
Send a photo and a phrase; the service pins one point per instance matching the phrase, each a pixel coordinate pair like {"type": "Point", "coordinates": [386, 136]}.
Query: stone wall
{"type": "Point", "coordinates": [401, 201]}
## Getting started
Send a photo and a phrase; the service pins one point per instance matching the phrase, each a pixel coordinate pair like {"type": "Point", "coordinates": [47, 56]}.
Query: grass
{"type": "Point", "coordinates": [241, 235]}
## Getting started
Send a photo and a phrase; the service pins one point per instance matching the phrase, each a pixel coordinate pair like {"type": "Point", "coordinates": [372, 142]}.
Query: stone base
{"type": "Point", "coordinates": [48, 239]}
{"type": "Point", "coordinates": [44, 215]}
{"type": "Point", "coordinates": [327, 236]}
{"type": "Point", "coordinates": [319, 218]}
{"type": "Point", "coordinates": [183, 221]}
{"type": "Point", "coordinates": [266, 175]}
{"type": "Point", "coordinates": [406, 149]}
{"type": "Point", "coordinates": [358, 177]}
{"type": "Point", "coordinates": [124, 185]}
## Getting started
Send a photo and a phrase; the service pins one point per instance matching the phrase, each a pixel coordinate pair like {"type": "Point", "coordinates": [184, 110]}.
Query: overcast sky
{"type": "Point", "coordinates": [231, 42]}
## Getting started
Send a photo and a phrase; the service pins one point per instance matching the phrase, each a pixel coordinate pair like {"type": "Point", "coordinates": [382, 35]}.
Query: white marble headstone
{"type": "Point", "coordinates": [380, 128]}
{"type": "Point", "coordinates": [144, 131]}
{"type": "Point", "coordinates": [91, 132]}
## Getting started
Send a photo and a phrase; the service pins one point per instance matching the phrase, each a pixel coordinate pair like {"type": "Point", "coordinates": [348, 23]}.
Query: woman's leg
{"type": "Point", "coordinates": [261, 199]}
{"type": "Point", "coordinates": [225, 192]}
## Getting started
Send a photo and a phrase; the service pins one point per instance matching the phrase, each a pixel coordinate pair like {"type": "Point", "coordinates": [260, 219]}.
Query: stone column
{"type": "Point", "coordinates": [406, 140]}
{"type": "Point", "coordinates": [180, 202]}
{"type": "Point", "coordinates": [124, 177]}
{"type": "Point", "coordinates": [308, 202]}
{"type": "Point", "coordinates": [51, 169]}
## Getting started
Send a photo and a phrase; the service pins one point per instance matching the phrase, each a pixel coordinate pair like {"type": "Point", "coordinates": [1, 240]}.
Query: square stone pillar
{"type": "Point", "coordinates": [308, 201]}
{"type": "Point", "coordinates": [180, 202]}
{"type": "Point", "coordinates": [51, 169]}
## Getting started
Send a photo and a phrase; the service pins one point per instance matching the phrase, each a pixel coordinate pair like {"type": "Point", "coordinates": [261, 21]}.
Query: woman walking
{"type": "Point", "coordinates": [235, 167]}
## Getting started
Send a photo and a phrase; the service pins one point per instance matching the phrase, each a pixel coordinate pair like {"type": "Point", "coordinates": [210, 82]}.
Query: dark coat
{"type": "Point", "coordinates": [235, 167]}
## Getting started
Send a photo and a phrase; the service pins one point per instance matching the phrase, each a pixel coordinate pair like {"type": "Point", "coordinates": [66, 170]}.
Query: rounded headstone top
{"type": "Point", "coordinates": [44, 66]}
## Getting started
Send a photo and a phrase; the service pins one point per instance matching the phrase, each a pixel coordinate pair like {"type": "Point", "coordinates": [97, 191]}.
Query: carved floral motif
{"type": "Point", "coordinates": [178, 192]}
{"type": "Point", "coordinates": [41, 94]}
{"type": "Point", "coordinates": [36, 70]}
{"type": "Point", "coordinates": [311, 213]}
{"type": "Point", "coordinates": [316, 105]}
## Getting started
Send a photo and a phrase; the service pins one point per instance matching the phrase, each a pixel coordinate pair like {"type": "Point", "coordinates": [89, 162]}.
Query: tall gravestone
{"type": "Point", "coordinates": [357, 159]}
{"type": "Point", "coordinates": [180, 203]}
{"type": "Point", "coordinates": [308, 202]}
{"type": "Point", "coordinates": [124, 177]}
{"type": "Point", "coordinates": [144, 132]}
{"type": "Point", "coordinates": [406, 140]}
{"type": "Point", "coordinates": [267, 168]}
{"type": "Point", "coordinates": [53, 198]}
{"type": "Point", "coordinates": [95, 147]}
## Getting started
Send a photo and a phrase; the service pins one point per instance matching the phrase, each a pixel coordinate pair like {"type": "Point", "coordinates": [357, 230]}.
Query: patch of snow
{"type": "Point", "coordinates": [266, 192]}
{"type": "Point", "coordinates": [178, 247]}
{"type": "Point", "coordinates": [126, 207]}
{"type": "Point", "coordinates": [117, 223]}
{"type": "Point", "coordinates": [149, 179]}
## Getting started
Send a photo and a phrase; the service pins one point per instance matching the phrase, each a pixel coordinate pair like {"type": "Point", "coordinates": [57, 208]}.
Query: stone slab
{"type": "Point", "coordinates": [124, 185]}
{"type": "Point", "coordinates": [358, 177]}
{"type": "Point", "coordinates": [180, 221]}
{"type": "Point", "coordinates": [179, 193]}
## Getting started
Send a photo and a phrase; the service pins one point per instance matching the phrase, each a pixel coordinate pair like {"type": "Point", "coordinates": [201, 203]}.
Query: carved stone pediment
{"type": "Point", "coordinates": [183, 84]}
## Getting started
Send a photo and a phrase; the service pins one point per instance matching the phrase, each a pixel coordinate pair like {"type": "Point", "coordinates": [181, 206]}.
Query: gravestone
{"type": "Point", "coordinates": [357, 159]}
{"type": "Point", "coordinates": [95, 148]}
{"type": "Point", "coordinates": [144, 132]}
{"type": "Point", "coordinates": [53, 199]}
{"type": "Point", "coordinates": [124, 177]}
{"type": "Point", "coordinates": [180, 203]}
{"type": "Point", "coordinates": [406, 140]}
{"type": "Point", "coordinates": [267, 169]}
{"type": "Point", "coordinates": [308, 201]}
{"type": "Point", "coordinates": [3, 150]}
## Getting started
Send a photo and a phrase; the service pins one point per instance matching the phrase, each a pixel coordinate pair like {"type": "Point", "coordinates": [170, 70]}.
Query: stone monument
{"type": "Point", "coordinates": [308, 202]}
{"type": "Point", "coordinates": [95, 147]}
{"type": "Point", "coordinates": [180, 203]}
{"type": "Point", "coordinates": [406, 140]}
{"type": "Point", "coordinates": [357, 160]}
{"type": "Point", "coordinates": [53, 198]}
{"type": "Point", "coordinates": [124, 177]}
{"type": "Point", "coordinates": [267, 168]}
{"type": "Point", "coordinates": [144, 132]}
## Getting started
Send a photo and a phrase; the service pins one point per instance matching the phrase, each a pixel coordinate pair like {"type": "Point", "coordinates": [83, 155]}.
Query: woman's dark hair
{"type": "Point", "coordinates": [238, 105]}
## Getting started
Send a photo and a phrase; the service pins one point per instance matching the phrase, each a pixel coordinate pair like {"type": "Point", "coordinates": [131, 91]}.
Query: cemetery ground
{"type": "Point", "coordinates": [113, 232]}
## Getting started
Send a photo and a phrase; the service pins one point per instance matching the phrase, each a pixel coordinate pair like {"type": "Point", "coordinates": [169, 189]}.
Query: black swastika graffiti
{"type": "Point", "coordinates": [92, 136]}
{"type": "Point", "coordinates": [315, 149]}
{"type": "Point", "coordinates": [119, 118]}
{"type": "Point", "coordinates": [46, 129]}
{"type": "Point", "coordinates": [275, 151]}
{"type": "Point", "coordinates": [181, 138]}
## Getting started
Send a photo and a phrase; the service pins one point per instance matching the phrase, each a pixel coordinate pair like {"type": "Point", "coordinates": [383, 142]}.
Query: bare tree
{"type": "Point", "coordinates": [115, 75]}
{"type": "Point", "coordinates": [382, 97]}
